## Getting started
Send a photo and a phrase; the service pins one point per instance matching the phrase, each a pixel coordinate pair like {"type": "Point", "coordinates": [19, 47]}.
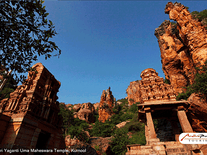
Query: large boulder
{"type": "Point", "coordinates": [86, 112]}
{"type": "Point", "coordinates": [76, 107]}
{"type": "Point", "coordinates": [197, 113]}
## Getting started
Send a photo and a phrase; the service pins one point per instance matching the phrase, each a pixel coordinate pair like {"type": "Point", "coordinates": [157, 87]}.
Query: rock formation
{"type": "Point", "coordinates": [197, 113]}
{"type": "Point", "coordinates": [86, 112]}
{"type": "Point", "coordinates": [107, 102]}
{"type": "Point", "coordinates": [122, 124]}
{"type": "Point", "coordinates": [77, 107]}
{"type": "Point", "coordinates": [183, 46]}
{"type": "Point", "coordinates": [133, 94]}
{"type": "Point", "coordinates": [150, 88]}
{"type": "Point", "coordinates": [96, 105]}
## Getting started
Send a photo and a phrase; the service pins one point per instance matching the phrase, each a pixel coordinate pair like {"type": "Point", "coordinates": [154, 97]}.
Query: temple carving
{"type": "Point", "coordinates": [29, 118]}
{"type": "Point", "coordinates": [150, 88]}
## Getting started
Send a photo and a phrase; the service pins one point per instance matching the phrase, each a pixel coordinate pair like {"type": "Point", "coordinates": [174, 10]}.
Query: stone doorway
{"type": "Point", "coordinates": [167, 129]}
{"type": "Point", "coordinates": [42, 141]}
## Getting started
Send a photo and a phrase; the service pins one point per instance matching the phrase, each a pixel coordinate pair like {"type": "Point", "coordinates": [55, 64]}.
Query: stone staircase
{"type": "Point", "coordinates": [161, 148]}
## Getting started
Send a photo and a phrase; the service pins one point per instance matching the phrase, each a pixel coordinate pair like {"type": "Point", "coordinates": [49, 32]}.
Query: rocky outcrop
{"type": "Point", "coordinates": [183, 46]}
{"type": "Point", "coordinates": [107, 102]}
{"type": "Point", "coordinates": [76, 107]}
{"type": "Point", "coordinates": [101, 145]}
{"type": "Point", "coordinates": [192, 32]}
{"type": "Point", "coordinates": [197, 113]}
{"type": "Point", "coordinates": [85, 112]}
{"type": "Point", "coordinates": [96, 105]}
{"type": "Point", "coordinates": [176, 62]}
{"type": "Point", "coordinates": [122, 124]}
{"type": "Point", "coordinates": [133, 94]}
{"type": "Point", "coordinates": [150, 88]}
{"type": "Point", "coordinates": [73, 144]}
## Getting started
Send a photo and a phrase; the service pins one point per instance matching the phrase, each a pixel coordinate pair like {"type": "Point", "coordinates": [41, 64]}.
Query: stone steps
{"type": "Point", "coordinates": [161, 148]}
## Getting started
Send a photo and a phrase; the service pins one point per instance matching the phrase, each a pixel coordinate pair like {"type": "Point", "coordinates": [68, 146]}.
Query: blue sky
{"type": "Point", "coordinates": [105, 43]}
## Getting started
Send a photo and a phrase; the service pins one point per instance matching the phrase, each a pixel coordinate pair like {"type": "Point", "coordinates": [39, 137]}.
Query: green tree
{"type": "Point", "coordinates": [24, 33]}
{"type": "Point", "coordinates": [67, 116]}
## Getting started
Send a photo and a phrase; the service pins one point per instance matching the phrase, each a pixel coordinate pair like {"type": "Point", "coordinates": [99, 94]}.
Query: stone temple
{"type": "Point", "coordinates": [29, 118]}
{"type": "Point", "coordinates": [157, 101]}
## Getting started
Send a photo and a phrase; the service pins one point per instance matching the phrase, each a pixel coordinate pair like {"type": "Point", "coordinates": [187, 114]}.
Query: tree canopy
{"type": "Point", "coordinates": [24, 34]}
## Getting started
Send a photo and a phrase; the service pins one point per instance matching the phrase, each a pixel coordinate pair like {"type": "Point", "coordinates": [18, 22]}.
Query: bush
{"type": "Point", "coordinates": [119, 141]}
{"type": "Point", "coordinates": [102, 129]}
{"type": "Point", "coordinates": [199, 86]}
{"type": "Point", "coordinates": [138, 138]}
{"type": "Point", "coordinates": [167, 81]}
{"type": "Point", "coordinates": [78, 132]}
{"type": "Point", "coordinates": [184, 95]}
{"type": "Point", "coordinates": [133, 108]}
{"type": "Point", "coordinates": [126, 116]}
{"type": "Point", "coordinates": [134, 126]}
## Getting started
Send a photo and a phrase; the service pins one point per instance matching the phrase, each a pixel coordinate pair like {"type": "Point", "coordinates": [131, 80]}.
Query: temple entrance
{"type": "Point", "coordinates": [167, 129]}
{"type": "Point", "coordinates": [42, 141]}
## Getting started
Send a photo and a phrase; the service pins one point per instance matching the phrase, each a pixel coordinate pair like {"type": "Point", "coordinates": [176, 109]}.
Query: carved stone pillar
{"type": "Point", "coordinates": [150, 125]}
{"type": "Point", "coordinates": [146, 134]}
{"type": "Point", "coordinates": [185, 125]}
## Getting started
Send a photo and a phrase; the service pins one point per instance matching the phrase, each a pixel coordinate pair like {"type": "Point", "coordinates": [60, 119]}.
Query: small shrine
{"type": "Point", "coordinates": [158, 101]}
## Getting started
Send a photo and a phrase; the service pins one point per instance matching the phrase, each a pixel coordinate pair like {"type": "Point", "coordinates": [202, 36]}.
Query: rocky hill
{"type": "Point", "coordinates": [97, 130]}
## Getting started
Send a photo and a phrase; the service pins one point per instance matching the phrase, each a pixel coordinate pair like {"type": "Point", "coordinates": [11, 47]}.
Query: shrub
{"type": "Point", "coordinates": [138, 138]}
{"type": "Point", "coordinates": [119, 141]}
{"type": "Point", "coordinates": [134, 126]}
{"type": "Point", "coordinates": [102, 129]}
{"type": "Point", "coordinates": [167, 81]}
{"type": "Point", "coordinates": [133, 108]}
{"type": "Point", "coordinates": [199, 86]}
{"type": "Point", "coordinates": [78, 132]}
{"type": "Point", "coordinates": [126, 116]}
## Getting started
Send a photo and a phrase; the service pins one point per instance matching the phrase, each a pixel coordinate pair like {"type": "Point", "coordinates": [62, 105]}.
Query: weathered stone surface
{"type": "Point", "coordinates": [102, 144]}
{"type": "Point", "coordinates": [33, 109]}
{"type": "Point", "coordinates": [86, 115]}
{"type": "Point", "coordinates": [133, 94]}
{"type": "Point", "coordinates": [107, 102]}
{"type": "Point", "coordinates": [176, 62]}
{"type": "Point", "coordinates": [86, 112]}
{"type": "Point", "coordinates": [96, 105]}
{"type": "Point", "coordinates": [122, 124]}
{"type": "Point", "coordinates": [150, 88]}
{"type": "Point", "coordinates": [77, 107]}
{"type": "Point", "coordinates": [183, 46]}
{"type": "Point", "coordinates": [193, 31]}
{"type": "Point", "coordinates": [197, 113]}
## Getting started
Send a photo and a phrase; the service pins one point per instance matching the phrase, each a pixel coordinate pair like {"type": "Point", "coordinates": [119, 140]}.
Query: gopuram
{"type": "Point", "coordinates": [29, 118]}
{"type": "Point", "coordinates": [157, 101]}
{"type": "Point", "coordinates": [150, 88]}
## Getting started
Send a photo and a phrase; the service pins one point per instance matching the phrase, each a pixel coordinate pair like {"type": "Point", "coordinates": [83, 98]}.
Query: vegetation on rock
{"type": "Point", "coordinates": [199, 86]}
{"type": "Point", "coordinates": [73, 126]}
